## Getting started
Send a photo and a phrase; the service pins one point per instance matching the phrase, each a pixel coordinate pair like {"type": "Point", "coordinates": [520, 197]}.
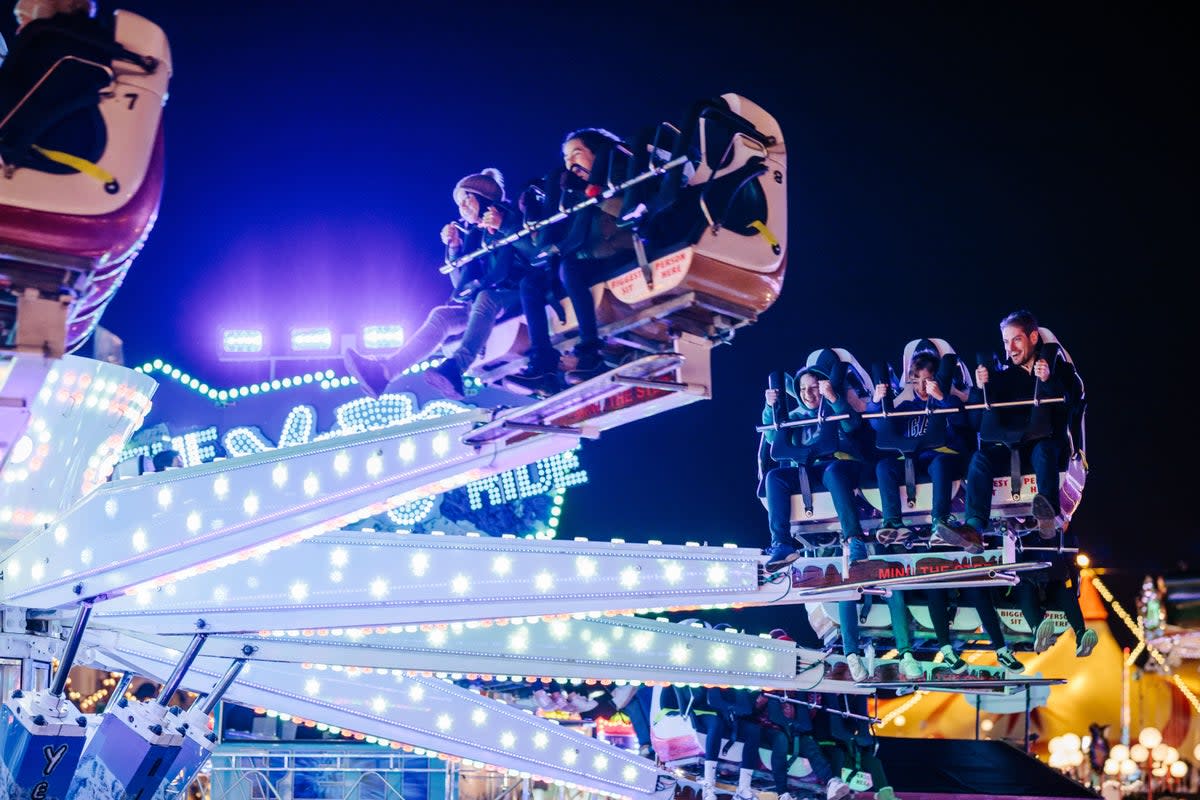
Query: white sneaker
{"type": "Point", "coordinates": [1044, 636]}
{"type": "Point", "coordinates": [1087, 643]}
{"type": "Point", "coordinates": [836, 789]}
{"type": "Point", "coordinates": [708, 791]}
{"type": "Point", "coordinates": [857, 671]}
{"type": "Point", "coordinates": [910, 668]}
{"type": "Point", "coordinates": [953, 660]}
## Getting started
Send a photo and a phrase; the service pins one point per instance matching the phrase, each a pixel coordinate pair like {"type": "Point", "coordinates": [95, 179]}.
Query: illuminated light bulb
{"type": "Point", "coordinates": [298, 591]}
{"type": "Point", "coordinates": [138, 540]}
{"type": "Point", "coordinates": [719, 655]}
{"type": "Point", "coordinates": [460, 584]}
{"type": "Point", "coordinates": [312, 687]}
{"type": "Point", "coordinates": [60, 534]}
{"type": "Point", "coordinates": [444, 722]}
{"type": "Point", "coordinates": [311, 485]}
{"type": "Point", "coordinates": [599, 649]}
{"type": "Point", "coordinates": [600, 763]}
{"type": "Point", "coordinates": [569, 756]}
{"type": "Point", "coordinates": [501, 565]}
{"type": "Point", "coordinates": [336, 576]}
{"type": "Point", "coordinates": [629, 773]}
{"type": "Point", "coordinates": [419, 564]}
{"type": "Point", "coordinates": [1178, 769]}
{"type": "Point", "coordinates": [519, 641]}
{"type": "Point", "coordinates": [717, 575]}
{"type": "Point", "coordinates": [1139, 752]}
{"type": "Point", "coordinates": [13, 568]}
{"type": "Point", "coordinates": [441, 444]}
{"type": "Point", "coordinates": [759, 660]}
{"type": "Point", "coordinates": [544, 581]}
{"type": "Point", "coordinates": [193, 522]}
{"type": "Point", "coordinates": [250, 504]}
{"type": "Point", "coordinates": [143, 597]}
{"type": "Point", "coordinates": [341, 463]}
{"type": "Point", "coordinates": [479, 716]}
{"type": "Point", "coordinates": [559, 629]}
{"type": "Point", "coordinates": [85, 555]}
{"type": "Point", "coordinates": [407, 450]}
{"type": "Point", "coordinates": [436, 637]}
{"type": "Point", "coordinates": [507, 740]}
{"type": "Point", "coordinates": [378, 705]}
{"type": "Point", "coordinates": [540, 740]}
{"type": "Point", "coordinates": [339, 558]}
{"type": "Point", "coordinates": [164, 497]}
{"type": "Point", "coordinates": [673, 572]}
{"type": "Point", "coordinates": [379, 588]}
{"type": "Point", "coordinates": [630, 577]}
{"type": "Point", "coordinates": [416, 692]}
{"type": "Point", "coordinates": [585, 567]}
{"type": "Point", "coordinates": [1150, 737]}
{"type": "Point", "coordinates": [680, 653]}
{"type": "Point", "coordinates": [37, 571]}
{"type": "Point", "coordinates": [110, 508]}
{"type": "Point", "coordinates": [374, 465]}
{"type": "Point", "coordinates": [279, 475]}
{"type": "Point", "coordinates": [220, 594]}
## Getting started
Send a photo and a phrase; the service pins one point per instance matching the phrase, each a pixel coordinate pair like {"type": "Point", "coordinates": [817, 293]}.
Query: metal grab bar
{"type": "Point", "coordinates": [532, 227]}
{"type": "Point", "coordinates": [796, 423]}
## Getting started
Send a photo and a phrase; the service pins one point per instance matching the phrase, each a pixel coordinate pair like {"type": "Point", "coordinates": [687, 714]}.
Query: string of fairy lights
{"type": "Point", "coordinates": [1136, 629]}
{"type": "Point", "coordinates": [326, 379]}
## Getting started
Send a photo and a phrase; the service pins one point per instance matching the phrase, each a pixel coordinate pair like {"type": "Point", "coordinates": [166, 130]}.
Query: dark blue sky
{"type": "Point", "coordinates": [947, 164]}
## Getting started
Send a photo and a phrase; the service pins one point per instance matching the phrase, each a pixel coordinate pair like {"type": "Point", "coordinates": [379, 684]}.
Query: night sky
{"type": "Point", "coordinates": [947, 164]}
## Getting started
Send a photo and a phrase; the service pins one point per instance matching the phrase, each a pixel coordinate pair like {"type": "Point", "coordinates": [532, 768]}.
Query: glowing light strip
{"type": "Point", "coordinates": [327, 379]}
{"type": "Point", "coordinates": [917, 697]}
{"type": "Point", "coordinates": [1136, 630]}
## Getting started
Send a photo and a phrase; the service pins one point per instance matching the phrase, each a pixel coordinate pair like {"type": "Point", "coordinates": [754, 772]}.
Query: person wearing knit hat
{"type": "Point", "coordinates": [484, 289]}
{"type": "Point", "coordinates": [487, 183]}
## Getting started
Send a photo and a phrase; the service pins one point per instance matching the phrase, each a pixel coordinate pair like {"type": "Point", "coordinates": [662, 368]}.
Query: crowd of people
{"type": "Point", "coordinates": [944, 430]}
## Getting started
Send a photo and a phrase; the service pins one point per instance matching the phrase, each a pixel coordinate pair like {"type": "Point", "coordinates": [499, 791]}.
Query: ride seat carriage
{"type": "Point", "coordinates": [814, 517]}
{"type": "Point", "coordinates": [711, 225]}
{"type": "Point", "coordinates": [81, 178]}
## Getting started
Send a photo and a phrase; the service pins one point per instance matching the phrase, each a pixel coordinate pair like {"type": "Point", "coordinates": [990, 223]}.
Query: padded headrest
{"type": "Point", "coordinates": [822, 363]}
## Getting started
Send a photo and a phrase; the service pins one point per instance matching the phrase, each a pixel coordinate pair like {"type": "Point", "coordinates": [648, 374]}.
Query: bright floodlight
{"type": "Point", "coordinates": [382, 337]}
{"type": "Point", "coordinates": [242, 341]}
{"type": "Point", "coordinates": [311, 339]}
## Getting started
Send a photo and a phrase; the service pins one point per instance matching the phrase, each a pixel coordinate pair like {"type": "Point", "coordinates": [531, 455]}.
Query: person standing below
{"type": "Point", "coordinates": [1029, 431]}
{"type": "Point", "coordinates": [484, 289]}
{"type": "Point", "coordinates": [593, 248]}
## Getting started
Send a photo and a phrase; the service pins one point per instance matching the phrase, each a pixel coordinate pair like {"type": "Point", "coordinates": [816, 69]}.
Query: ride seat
{"type": "Point", "coordinates": [77, 232]}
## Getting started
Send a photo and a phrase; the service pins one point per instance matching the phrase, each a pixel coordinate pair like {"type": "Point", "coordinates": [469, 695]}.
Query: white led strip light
{"type": "Point", "coordinates": [632, 649]}
{"type": "Point", "coordinates": [424, 712]}
{"type": "Point", "coordinates": [369, 579]}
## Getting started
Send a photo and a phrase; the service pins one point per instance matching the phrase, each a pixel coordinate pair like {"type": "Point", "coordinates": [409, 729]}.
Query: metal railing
{"type": "Point", "coordinates": [287, 771]}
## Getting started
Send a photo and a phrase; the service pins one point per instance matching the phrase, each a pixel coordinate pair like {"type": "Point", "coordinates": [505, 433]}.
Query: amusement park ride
{"type": "Point", "coordinates": [174, 575]}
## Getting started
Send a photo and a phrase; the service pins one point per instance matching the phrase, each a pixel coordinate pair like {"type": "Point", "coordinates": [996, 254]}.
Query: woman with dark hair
{"type": "Point", "coordinates": [484, 289]}
{"type": "Point", "coordinates": [594, 248]}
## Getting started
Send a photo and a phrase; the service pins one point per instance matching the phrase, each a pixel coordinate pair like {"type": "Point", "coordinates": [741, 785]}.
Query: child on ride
{"type": "Point", "coordinates": [830, 453]}
{"type": "Point", "coordinates": [484, 289]}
